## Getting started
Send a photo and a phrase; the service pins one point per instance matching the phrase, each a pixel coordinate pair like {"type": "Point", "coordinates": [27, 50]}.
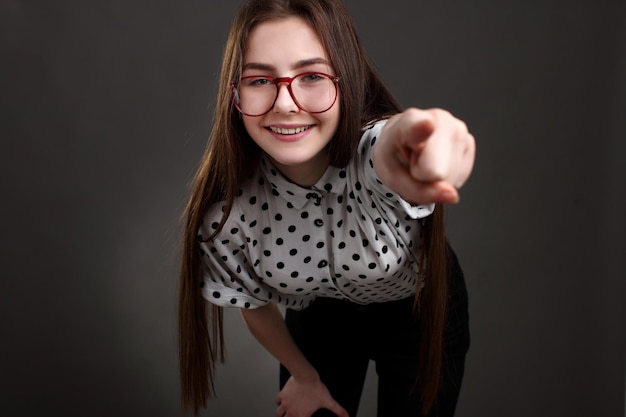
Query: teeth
{"type": "Point", "coordinates": [293, 131]}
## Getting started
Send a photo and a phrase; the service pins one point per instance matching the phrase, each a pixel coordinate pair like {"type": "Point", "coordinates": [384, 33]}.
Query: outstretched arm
{"type": "Point", "coordinates": [425, 155]}
{"type": "Point", "coordinates": [304, 392]}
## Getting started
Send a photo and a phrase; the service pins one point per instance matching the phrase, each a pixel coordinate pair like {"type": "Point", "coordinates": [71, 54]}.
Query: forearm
{"type": "Point", "coordinates": [267, 325]}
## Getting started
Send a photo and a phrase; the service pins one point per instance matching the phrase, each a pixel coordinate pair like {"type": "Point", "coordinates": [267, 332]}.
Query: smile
{"type": "Point", "coordinates": [289, 131]}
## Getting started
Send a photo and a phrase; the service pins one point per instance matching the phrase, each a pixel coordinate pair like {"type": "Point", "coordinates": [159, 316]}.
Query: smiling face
{"type": "Point", "coordinates": [295, 141]}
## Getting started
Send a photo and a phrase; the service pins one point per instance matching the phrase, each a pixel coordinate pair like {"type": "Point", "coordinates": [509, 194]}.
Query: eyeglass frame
{"type": "Point", "coordinates": [281, 80]}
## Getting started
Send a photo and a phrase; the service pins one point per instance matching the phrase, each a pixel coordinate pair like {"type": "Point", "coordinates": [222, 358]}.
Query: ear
{"type": "Point", "coordinates": [237, 102]}
{"type": "Point", "coordinates": [236, 96]}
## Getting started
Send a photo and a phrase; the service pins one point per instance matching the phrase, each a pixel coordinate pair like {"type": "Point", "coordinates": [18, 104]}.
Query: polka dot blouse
{"type": "Point", "coordinates": [348, 237]}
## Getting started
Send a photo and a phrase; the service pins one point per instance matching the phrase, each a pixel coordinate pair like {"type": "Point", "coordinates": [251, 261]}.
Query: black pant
{"type": "Point", "coordinates": [339, 338]}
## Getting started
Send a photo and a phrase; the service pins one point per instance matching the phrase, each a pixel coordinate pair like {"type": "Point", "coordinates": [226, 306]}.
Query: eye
{"type": "Point", "coordinates": [311, 78]}
{"type": "Point", "coordinates": [259, 81]}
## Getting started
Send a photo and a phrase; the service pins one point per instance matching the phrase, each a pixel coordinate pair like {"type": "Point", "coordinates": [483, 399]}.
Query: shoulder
{"type": "Point", "coordinates": [219, 212]}
{"type": "Point", "coordinates": [369, 134]}
{"type": "Point", "coordinates": [250, 207]}
{"type": "Point", "coordinates": [373, 127]}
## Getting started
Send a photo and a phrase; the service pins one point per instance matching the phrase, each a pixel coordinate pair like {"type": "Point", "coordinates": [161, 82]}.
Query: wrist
{"type": "Point", "coordinates": [305, 374]}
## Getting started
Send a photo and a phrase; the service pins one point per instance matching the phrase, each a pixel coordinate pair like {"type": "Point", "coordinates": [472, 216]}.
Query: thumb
{"type": "Point", "coordinates": [337, 409]}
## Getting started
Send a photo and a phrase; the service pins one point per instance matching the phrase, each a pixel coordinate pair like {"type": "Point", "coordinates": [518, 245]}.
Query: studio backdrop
{"type": "Point", "coordinates": [105, 112]}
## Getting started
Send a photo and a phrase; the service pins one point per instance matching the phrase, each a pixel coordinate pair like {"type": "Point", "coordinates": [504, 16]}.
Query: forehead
{"type": "Point", "coordinates": [282, 42]}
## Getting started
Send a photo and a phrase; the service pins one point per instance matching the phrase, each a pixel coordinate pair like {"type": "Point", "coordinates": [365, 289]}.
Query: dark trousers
{"type": "Point", "coordinates": [339, 338]}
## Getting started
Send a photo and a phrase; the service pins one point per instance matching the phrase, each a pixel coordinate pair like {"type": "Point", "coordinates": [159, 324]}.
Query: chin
{"type": "Point", "coordinates": [291, 160]}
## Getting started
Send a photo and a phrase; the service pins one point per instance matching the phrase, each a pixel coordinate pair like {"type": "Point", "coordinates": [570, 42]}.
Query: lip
{"type": "Point", "coordinates": [293, 137]}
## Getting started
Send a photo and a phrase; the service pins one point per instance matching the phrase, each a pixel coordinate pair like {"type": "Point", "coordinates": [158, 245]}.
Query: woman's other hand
{"type": "Point", "coordinates": [302, 398]}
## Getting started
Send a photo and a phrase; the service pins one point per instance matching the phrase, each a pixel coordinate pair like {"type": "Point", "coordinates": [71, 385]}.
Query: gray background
{"type": "Point", "coordinates": [105, 108]}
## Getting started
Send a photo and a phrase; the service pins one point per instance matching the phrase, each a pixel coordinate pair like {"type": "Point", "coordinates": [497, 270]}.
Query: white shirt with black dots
{"type": "Point", "coordinates": [348, 237]}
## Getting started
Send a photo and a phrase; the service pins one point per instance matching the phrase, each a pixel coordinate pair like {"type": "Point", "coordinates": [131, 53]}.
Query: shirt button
{"type": "Point", "coordinates": [323, 264]}
{"type": "Point", "coordinates": [319, 222]}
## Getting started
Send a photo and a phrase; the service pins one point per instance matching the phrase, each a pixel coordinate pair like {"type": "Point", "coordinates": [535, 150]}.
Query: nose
{"type": "Point", "coordinates": [284, 101]}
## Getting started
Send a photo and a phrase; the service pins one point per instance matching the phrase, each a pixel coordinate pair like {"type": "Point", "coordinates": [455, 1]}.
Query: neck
{"type": "Point", "coordinates": [306, 174]}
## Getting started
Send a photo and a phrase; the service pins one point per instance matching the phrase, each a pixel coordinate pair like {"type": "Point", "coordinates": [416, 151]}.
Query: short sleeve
{"type": "Point", "coordinates": [228, 279]}
{"type": "Point", "coordinates": [365, 166]}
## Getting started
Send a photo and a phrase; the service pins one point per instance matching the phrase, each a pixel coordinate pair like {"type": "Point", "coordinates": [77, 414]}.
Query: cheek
{"type": "Point", "coordinates": [247, 123]}
{"type": "Point", "coordinates": [252, 126]}
{"type": "Point", "coordinates": [334, 116]}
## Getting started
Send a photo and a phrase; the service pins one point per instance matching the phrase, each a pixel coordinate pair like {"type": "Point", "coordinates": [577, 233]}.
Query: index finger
{"type": "Point", "coordinates": [415, 128]}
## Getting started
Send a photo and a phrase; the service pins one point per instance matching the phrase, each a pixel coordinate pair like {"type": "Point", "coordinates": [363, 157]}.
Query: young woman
{"type": "Point", "coordinates": [318, 193]}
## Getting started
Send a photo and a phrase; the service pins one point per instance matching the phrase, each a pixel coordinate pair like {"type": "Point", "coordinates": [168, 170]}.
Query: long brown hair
{"type": "Point", "coordinates": [231, 157]}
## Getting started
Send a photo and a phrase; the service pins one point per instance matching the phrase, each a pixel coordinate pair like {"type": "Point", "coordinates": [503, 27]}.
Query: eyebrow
{"type": "Point", "coordinates": [299, 64]}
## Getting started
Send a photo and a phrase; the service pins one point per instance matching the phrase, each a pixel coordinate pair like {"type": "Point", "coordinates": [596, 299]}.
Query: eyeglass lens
{"type": "Point", "coordinates": [312, 92]}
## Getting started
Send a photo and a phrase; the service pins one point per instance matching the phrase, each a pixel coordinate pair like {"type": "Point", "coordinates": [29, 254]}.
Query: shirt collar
{"type": "Point", "coordinates": [332, 181]}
